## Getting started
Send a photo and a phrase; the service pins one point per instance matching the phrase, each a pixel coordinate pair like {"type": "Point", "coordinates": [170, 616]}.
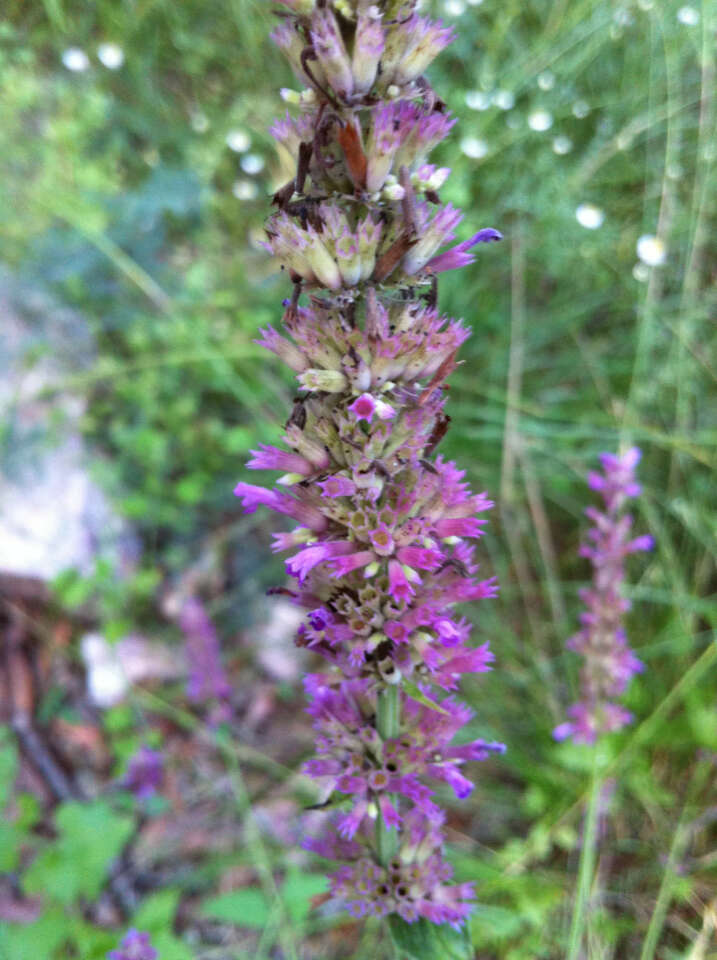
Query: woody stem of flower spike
{"type": "Point", "coordinates": [388, 723]}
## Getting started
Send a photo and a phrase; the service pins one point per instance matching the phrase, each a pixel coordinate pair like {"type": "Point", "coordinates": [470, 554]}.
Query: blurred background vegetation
{"type": "Point", "coordinates": [135, 175]}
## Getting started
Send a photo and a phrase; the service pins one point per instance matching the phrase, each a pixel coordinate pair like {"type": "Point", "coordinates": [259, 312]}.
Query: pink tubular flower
{"type": "Point", "coordinates": [303, 563]}
{"type": "Point", "coordinates": [398, 585]}
{"type": "Point", "coordinates": [364, 407]}
{"type": "Point", "coordinates": [460, 527]}
{"type": "Point", "coordinates": [421, 557]}
{"type": "Point", "coordinates": [337, 487]}
{"type": "Point", "coordinates": [608, 663]}
{"type": "Point", "coordinates": [271, 458]}
{"type": "Point", "coordinates": [342, 566]}
{"type": "Point", "coordinates": [284, 349]}
{"type": "Point", "coordinates": [304, 513]}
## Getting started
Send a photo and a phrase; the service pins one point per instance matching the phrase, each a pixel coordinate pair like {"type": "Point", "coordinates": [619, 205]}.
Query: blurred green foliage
{"type": "Point", "coordinates": [123, 198]}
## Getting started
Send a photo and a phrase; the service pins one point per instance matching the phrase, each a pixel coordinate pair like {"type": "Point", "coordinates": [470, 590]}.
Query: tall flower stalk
{"type": "Point", "coordinates": [384, 544]}
{"type": "Point", "coordinates": [608, 662]}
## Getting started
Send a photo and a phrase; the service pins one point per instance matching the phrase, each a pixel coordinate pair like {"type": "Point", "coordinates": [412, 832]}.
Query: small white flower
{"type": "Point", "coordinates": [688, 16]}
{"type": "Point", "coordinates": [454, 8]}
{"type": "Point", "coordinates": [589, 216]}
{"type": "Point", "coordinates": [75, 60]}
{"type": "Point", "coordinates": [478, 100]}
{"type": "Point", "coordinates": [546, 80]}
{"type": "Point", "coordinates": [252, 163]}
{"type": "Point", "coordinates": [504, 99]}
{"type": "Point", "coordinates": [640, 272]}
{"type": "Point", "coordinates": [581, 108]}
{"type": "Point", "coordinates": [245, 190]}
{"type": "Point", "coordinates": [622, 17]}
{"type": "Point", "coordinates": [562, 145]}
{"type": "Point", "coordinates": [651, 250]}
{"type": "Point", "coordinates": [474, 148]}
{"type": "Point", "coordinates": [540, 121]}
{"type": "Point", "coordinates": [238, 140]}
{"type": "Point", "coordinates": [199, 122]}
{"type": "Point", "coordinates": [110, 55]}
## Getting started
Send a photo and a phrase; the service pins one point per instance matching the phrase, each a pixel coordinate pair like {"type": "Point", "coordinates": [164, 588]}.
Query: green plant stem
{"type": "Point", "coordinates": [680, 840]}
{"type": "Point", "coordinates": [586, 868]}
{"type": "Point", "coordinates": [388, 723]}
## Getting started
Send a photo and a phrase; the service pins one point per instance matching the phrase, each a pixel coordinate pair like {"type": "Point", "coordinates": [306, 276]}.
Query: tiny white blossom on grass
{"type": "Point", "coordinates": [640, 272]}
{"type": "Point", "coordinates": [581, 108]}
{"type": "Point", "coordinates": [110, 55]}
{"type": "Point", "coordinates": [651, 250]}
{"type": "Point", "coordinates": [688, 16]}
{"type": "Point", "coordinates": [238, 140]}
{"type": "Point", "coordinates": [75, 59]}
{"type": "Point", "coordinates": [590, 216]}
{"type": "Point", "coordinates": [504, 99]}
{"type": "Point", "coordinates": [252, 163]}
{"type": "Point", "coordinates": [478, 100]}
{"type": "Point", "coordinates": [623, 17]}
{"type": "Point", "coordinates": [245, 190]}
{"type": "Point", "coordinates": [454, 8]}
{"type": "Point", "coordinates": [562, 145]}
{"type": "Point", "coordinates": [540, 121]}
{"type": "Point", "coordinates": [199, 122]}
{"type": "Point", "coordinates": [546, 80]}
{"type": "Point", "coordinates": [474, 148]}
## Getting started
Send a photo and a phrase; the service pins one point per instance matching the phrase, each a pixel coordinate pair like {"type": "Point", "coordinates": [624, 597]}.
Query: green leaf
{"type": "Point", "coordinates": [170, 947]}
{"type": "Point", "coordinates": [29, 810]}
{"type": "Point", "coordinates": [416, 694]}
{"type": "Point", "coordinates": [423, 940]}
{"type": "Point", "coordinates": [10, 839]}
{"type": "Point", "coordinates": [91, 835]}
{"type": "Point", "coordinates": [298, 890]}
{"type": "Point", "coordinates": [157, 912]}
{"type": "Point", "coordinates": [245, 908]}
{"type": "Point", "coordinates": [491, 923]}
{"type": "Point", "coordinates": [34, 940]}
{"type": "Point", "coordinates": [8, 765]}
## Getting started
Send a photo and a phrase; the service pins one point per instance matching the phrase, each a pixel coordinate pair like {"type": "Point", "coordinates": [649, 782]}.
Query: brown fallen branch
{"type": "Point", "coordinates": [61, 786]}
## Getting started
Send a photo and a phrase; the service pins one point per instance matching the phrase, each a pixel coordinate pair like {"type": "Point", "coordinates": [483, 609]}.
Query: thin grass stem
{"type": "Point", "coordinates": [586, 867]}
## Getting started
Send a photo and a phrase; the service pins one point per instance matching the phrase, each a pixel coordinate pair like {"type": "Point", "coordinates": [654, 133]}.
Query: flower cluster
{"type": "Point", "coordinates": [385, 535]}
{"type": "Point", "coordinates": [609, 663]}
{"type": "Point", "coordinates": [145, 772]}
{"type": "Point", "coordinates": [135, 946]}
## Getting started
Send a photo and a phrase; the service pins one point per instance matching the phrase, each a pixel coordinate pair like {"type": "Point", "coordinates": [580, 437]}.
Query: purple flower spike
{"type": "Point", "coordinates": [385, 536]}
{"type": "Point", "coordinates": [608, 664]}
{"type": "Point", "coordinates": [145, 773]}
{"type": "Point", "coordinates": [207, 678]}
{"type": "Point", "coordinates": [134, 946]}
